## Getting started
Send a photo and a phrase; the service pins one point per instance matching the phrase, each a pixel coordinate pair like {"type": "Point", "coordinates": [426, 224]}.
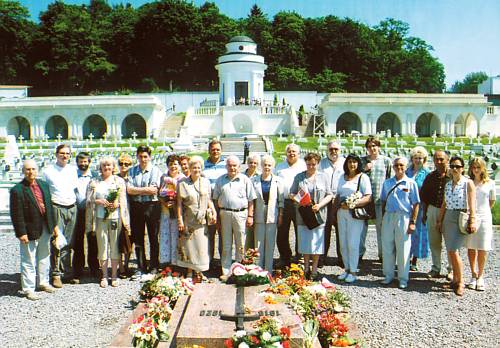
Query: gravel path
{"type": "Point", "coordinates": [427, 314]}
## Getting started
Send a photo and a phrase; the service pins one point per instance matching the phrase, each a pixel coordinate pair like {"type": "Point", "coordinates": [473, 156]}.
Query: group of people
{"type": "Point", "coordinates": [195, 200]}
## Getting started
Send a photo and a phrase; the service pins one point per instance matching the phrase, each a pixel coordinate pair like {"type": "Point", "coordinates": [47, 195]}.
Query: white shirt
{"type": "Point", "coordinates": [333, 171]}
{"type": "Point", "coordinates": [63, 182]}
{"type": "Point", "coordinates": [288, 173]}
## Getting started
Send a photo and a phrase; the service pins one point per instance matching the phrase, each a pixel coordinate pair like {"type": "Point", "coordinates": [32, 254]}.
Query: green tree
{"type": "Point", "coordinates": [68, 49]}
{"type": "Point", "coordinates": [328, 81]}
{"type": "Point", "coordinates": [15, 37]}
{"type": "Point", "coordinates": [470, 83]}
{"type": "Point", "coordinates": [258, 27]}
{"type": "Point", "coordinates": [167, 42]}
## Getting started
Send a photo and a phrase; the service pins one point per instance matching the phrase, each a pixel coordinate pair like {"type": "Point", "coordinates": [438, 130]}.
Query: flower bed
{"type": "Point", "coordinates": [269, 332]}
{"type": "Point", "coordinates": [161, 294]}
{"type": "Point", "coordinates": [246, 272]}
{"type": "Point", "coordinates": [321, 307]}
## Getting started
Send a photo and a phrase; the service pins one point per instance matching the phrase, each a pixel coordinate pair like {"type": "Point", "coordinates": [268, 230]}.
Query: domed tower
{"type": "Point", "coordinates": [241, 73]}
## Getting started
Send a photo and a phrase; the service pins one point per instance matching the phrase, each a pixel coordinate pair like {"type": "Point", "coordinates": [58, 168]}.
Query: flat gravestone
{"type": "Point", "coordinates": [201, 323]}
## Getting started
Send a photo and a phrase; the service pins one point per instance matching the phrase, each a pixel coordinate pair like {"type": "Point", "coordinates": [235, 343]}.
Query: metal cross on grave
{"type": "Point", "coordinates": [105, 136]}
{"type": "Point", "coordinates": [281, 134]}
{"type": "Point", "coordinates": [91, 137]}
{"type": "Point", "coordinates": [59, 137]}
{"type": "Point", "coordinates": [239, 317]}
{"type": "Point", "coordinates": [21, 138]}
{"type": "Point", "coordinates": [134, 135]}
{"type": "Point", "coordinates": [46, 137]}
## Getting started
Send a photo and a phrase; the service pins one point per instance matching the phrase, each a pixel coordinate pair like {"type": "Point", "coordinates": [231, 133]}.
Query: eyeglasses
{"type": "Point", "coordinates": [456, 166]}
{"type": "Point", "coordinates": [334, 149]}
{"type": "Point", "coordinates": [398, 165]}
{"type": "Point", "coordinates": [123, 164]}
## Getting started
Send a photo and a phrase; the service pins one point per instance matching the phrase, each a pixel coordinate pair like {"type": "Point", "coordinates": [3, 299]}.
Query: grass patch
{"type": "Point", "coordinates": [496, 213]}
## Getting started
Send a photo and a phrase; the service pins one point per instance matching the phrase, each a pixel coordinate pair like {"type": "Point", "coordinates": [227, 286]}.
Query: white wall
{"type": "Point", "coordinates": [490, 86]}
{"type": "Point", "coordinates": [8, 92]}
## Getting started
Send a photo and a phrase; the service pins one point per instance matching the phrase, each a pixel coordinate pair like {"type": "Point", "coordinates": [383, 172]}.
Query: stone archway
{"type": "Point", "coordinates": [348, 122]}
{"type": "Point", "coordinates": [466, 125]}
{"type": "Point", "coordinates": [19, 125]}
{"type": "Point", "coordinates": [134, 123]}
{"type": "Point", "coordinates": [389, 120]}
{"type": "Point", "coordinates": [427, 124]}
{"type": "Point", "coordinates": [242, 124]}
{"type": "Point", "coordinates": [96, 125]}
{"type": "Point", "coordinates": [56, 125]}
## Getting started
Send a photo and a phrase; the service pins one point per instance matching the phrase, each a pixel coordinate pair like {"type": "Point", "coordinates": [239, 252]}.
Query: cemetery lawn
{"type": "Point", "coordinates": [496, 213]}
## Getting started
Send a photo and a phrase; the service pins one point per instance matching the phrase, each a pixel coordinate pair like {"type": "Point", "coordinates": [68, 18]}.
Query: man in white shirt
{"type": "Point", "coordinates": [214, 167]}
{"type": "Point", "coordinates": [287, 170]}
{"type": "Point", "coordinates": [333, 166]}
{"type": "Point", "coordinates": [63, 182]}
{"type": "Point", "coordinates": [234, 194]}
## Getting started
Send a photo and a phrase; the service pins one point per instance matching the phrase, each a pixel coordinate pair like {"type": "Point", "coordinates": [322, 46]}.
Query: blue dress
{"type": "Point", "coordinates": [420, 238]}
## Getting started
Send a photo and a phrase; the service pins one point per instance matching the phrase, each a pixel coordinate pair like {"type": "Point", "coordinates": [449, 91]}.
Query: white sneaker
{"type": "Point", "coordinates": [343, 276]}
{"type": "Point", "coordinates": [350, 278]}
{"type": "Point", "coordinates": [480, 286]}
{"type": "Point", "coordinates": [472, 283]}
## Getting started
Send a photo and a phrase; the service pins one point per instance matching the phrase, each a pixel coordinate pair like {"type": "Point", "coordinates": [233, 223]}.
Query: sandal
{"type": "Point", "coordinates": [114, 283]}
{"type": "Point", "coordinates": [103, 283]}
{"type": "Point", "coordinates": [480, 284]}
{"type": "Point", "coordinates": [459, 290]}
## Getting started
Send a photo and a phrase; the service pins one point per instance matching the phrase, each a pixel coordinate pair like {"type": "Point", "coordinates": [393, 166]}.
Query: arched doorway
{"type": "Point", "coordinates": [56, 125]}
{"type": "Point", "coordinates": [134, 123]}
{"type": "Point", "coordinates": [466, 125]}
{"type": "Point", "coordinates": [96, 125]}
{"type": "Point", "coordinates": [387, 121]}
{"type": "Point", "coordinates": [427, 124]}
{"type": "Point", "coordinates": [17, 126]}
{"type": "Point", "coordinates": [348, 122]}
{"type": "Point", "coordinates": [242, 124]}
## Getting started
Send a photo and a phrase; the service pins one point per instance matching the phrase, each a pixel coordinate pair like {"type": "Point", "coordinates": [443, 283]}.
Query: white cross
{"type": "Point", "coordinates": [105, 136]}
{"type": "Point", "coordinates": [21, 138]}
{"type": "Point", "coordinates": [46, 137]}
{"type": "Point", "coordinates": [134, 135]}
{"type": "Point", "coordinates": [91, 137]}
{"type": "Point", "coordinates": [281, 134]}
{"type": "Point", "coordinates": [59, 137]}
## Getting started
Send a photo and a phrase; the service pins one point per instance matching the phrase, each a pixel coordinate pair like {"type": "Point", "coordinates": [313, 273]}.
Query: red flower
{"type": "Point", "coordinates": [175, 274]}
{"type": "Point", "coordinates": [285, 344]}
{"type": "Point", "coordinates": [285, 331]}
{"type": "Point", "coordinates": [166, 271]}
{"type": "Point", "coordinates": [254, 339]}
{"type": "Point", "coordinates": [228, 343]}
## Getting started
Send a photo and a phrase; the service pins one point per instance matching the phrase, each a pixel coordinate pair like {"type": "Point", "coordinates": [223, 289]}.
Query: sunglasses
{"type": "Point", "coordinates": [123, 164]}
{"type": "Point", "coordinates": [456, 166]}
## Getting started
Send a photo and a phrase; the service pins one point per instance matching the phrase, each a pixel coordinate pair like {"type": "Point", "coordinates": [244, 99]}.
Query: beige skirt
{"type": "Point", "coordinates": [192, 249]}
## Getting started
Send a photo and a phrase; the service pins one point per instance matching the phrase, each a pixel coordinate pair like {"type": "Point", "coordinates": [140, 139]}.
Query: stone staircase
{"type": "Point", "coordinates": [5, 223]}
{"type": "Point", "coordinates": [171, 126]}
{"type": "Point", "coordinates": [234, 146]}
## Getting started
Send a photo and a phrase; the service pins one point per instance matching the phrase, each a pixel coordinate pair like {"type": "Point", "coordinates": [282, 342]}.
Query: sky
{"type": "Point", "coordinates": [463, 33]}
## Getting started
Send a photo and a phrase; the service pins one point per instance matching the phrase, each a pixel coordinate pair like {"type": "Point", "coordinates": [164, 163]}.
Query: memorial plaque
{"type": "Point", "coordinates": [201, 323]}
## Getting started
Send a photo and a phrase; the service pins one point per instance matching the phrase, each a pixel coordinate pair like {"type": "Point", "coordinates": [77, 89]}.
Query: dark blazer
{"type": "Point", "coordinates": [24, 213]}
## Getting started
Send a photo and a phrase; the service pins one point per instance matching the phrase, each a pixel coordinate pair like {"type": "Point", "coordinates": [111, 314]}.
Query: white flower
{"type": "Point", "coordinates": [243, 345]}
{"type": "Point", "coordinates": [266, 336]}
{"type": "Point", "coordinates": [277, 344]}
{"type": "Point", "coordinates": [239, 271]}
{"type": "Point", "coordinates": [240, 333]}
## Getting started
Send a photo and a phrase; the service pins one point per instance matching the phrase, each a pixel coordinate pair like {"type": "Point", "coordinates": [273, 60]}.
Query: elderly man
{"type": "Point", "coordinates": [142, 188]}
{"type": "Point", "coordinates": [214, 167]}
{"type": "Point", "coordinates": [234, 194]}
{"type": "Point", "coordinates": [400, 202]}
{"type": "Point", "coordinates": [287, 170]}
{"type": "Point", "coordinates": [34, 221]}
{"type": "Point", "coordinates": [333, 166]}
{"type": "Point", "coordinates": [432, 194]}
{"type": "Point", "coordinates": [378, 168]}
{"type": "Point", "coordinates": [84, 176]}
{"type": "Point", "coordinates": [63, 182]}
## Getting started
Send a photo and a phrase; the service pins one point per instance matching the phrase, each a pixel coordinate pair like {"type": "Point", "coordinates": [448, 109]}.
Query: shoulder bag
{"type": "Point", "coordinates": [463, 217]}
{"type": "Point", "coordinates": [364, 213]}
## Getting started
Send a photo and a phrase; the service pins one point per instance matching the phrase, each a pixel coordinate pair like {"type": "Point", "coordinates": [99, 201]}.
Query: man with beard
{"type": "Point", "coordinates": [84, 176]}
{"type": "Point", "coordinates": [333, 166]}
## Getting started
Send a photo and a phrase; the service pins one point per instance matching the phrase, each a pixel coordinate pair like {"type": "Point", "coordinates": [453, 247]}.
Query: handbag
{"type": "Point", "coordinates": [308, 216]}
{"type": "Point", "coordinates": [364, 213]}
{"type": "Point", "coordinates": [463, 217]}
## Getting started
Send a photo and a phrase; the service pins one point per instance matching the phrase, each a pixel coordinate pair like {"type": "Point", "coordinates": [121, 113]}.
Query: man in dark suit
{"type": "Point", "coordinates": [33, 219]}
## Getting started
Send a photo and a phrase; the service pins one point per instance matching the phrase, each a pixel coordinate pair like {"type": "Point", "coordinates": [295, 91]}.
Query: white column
{"type": "Point", "coordinates": [366, 126]}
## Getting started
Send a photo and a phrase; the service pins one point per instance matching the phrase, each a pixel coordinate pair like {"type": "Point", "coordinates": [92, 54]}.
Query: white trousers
{"type": "Point", "coordinates": [232, 224]}
{"type": "Point", "coordinates": [35, 260]}
{"type": "Point", "coordinates": [350, 231]}
{"type": "Point", "coordinates": [265, 240]}
{"type": "Point", "coordinates": [396, 245]}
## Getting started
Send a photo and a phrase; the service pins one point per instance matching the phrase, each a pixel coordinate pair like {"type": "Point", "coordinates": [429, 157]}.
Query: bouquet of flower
{"type": "Point", "coordinates": [247, 273]}
{"type": "Point", "coordinates": [168, 189]}
{"type": "Point", "coordinates": [144, 332]}
{"type": "Point", "coordinates": [333, 331]}
{"type": "Point", "coordinates": [269, 332]}
{"type": "Point", "coordinates": [168, 284]}
{"type": "Point", "coordinates": [353, 199]}
{"type": "Point", "coordinates": [112, 196]}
